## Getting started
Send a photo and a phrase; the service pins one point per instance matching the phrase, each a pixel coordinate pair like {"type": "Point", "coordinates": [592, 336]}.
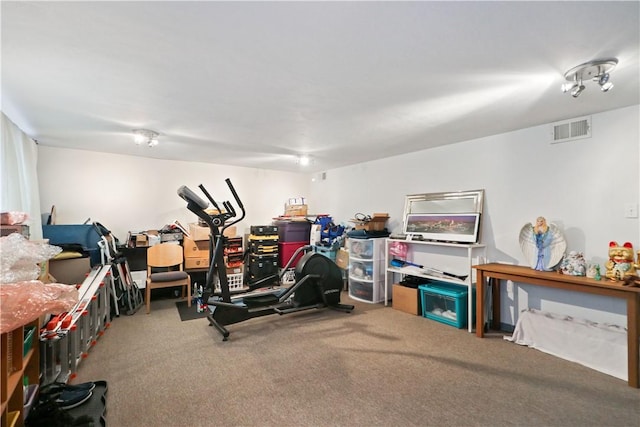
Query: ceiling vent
{"type": "Point", "coordinates": [570, 130]}
{"type": "Point", "coordinates": [321, 176]}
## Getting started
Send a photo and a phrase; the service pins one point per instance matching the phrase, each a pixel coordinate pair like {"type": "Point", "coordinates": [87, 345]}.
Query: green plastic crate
{"type": "Point", "coordinates": [29, 332]}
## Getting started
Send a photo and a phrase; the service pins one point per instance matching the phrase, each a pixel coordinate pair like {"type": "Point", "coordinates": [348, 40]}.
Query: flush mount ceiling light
{"type": "Point", "coordinates": [304, 160]}
{"type": "Point", "coordinates": [145, 136]}
{"type": "Point", "coordinates": [597, 71]}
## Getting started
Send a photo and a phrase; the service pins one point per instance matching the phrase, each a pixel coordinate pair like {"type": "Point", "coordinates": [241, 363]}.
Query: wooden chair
{"type": "Point", "coordinates": [167, 257]}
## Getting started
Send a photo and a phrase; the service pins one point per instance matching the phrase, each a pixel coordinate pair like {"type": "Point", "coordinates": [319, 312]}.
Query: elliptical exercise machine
{"type": "Point", "coordinates": [318, 280]}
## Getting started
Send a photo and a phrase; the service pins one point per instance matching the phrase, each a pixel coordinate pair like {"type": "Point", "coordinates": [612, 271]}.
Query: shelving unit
{"type": "Point", "coordinates": [366, 270]}
{"type": "Point", "coordinates": [17, 364]}
{"type": "Point", "coordinates": [456, 258]}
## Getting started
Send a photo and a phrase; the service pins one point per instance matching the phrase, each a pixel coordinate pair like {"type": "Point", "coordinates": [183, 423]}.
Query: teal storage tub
{"type": "Point", "coordinates": [446, 303]}
{"type": "Point", "coordinates": [326, 251]}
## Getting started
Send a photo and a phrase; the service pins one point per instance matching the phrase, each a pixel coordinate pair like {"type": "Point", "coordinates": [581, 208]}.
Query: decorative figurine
{"type": "Point", "coordinates": [620, 263]}
{"type": "Point", "coordinates": [593, 271]}
{"type": "Point", "coordinates": [574, 264]}
{"type": "Point", "coordinates": [542, 244]}
{"type": "Point", "coordinates": [632, 280]}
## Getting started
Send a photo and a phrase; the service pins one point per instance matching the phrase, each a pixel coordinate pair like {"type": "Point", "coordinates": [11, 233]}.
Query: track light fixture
{"type": "Point", "coordinates": [604, 82]}
{"type": "Point", "coordinates": [597, 71]}
{"type": "Point", "coordinates": [577, 90]}
{"type": "Point", "coordinates": [145, 136]}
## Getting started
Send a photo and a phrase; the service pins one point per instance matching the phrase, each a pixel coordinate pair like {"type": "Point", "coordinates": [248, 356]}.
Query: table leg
{"type": "Point", "coordinates": [480, 281]}
{"type": "Point", "coordinates": [633, 329]}
{"type": "Point", "coordinates": [495, 304]}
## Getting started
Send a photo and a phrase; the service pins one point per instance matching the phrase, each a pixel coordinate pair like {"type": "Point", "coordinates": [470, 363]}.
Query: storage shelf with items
{"type": "Point", "coordinates": [233, 253]}
{"type": "Point", "coordinates": [434, 261]}
{"type": "Point", "coordinates": [20, 367]}
{"type": "Point", "coordinates": [366, 270]}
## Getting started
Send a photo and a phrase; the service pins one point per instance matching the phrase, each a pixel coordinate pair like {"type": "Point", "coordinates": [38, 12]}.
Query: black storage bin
{"type": "Point", "coordinates": [264, 230]}
{"type": "Point", "coordinates": [263, 265]}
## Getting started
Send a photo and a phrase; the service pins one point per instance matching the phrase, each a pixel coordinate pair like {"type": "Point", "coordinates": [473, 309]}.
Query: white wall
{"type": "Point", "coordinates": [127, 193]}
{"type": "Point", "coordinates": [581, 185]}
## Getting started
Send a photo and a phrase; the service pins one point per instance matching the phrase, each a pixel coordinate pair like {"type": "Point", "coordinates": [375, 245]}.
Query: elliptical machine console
{"type": "Point", "coordinates": [318, 280]}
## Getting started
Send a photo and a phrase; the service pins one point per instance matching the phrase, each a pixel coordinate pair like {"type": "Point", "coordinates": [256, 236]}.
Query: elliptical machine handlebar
{"type": "Point", "coordinates": [235, 195]}
{"type": "Point", "coordinates": [229, 208]}
{"type": "Point", "coordinates": [194, 203]}
{"type": "Point", "coordinates": [211, 199]}
{"type": "Point", "coordinates": [198, 206]}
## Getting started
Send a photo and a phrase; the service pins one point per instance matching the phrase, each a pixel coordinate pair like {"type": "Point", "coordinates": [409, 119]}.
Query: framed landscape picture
{"type": "Point", "coordinates": [461, 228]}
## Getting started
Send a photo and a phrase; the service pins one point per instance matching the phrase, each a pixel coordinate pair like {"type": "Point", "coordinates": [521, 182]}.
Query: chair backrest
{"type": "Point", "coordinates": [165, 255]}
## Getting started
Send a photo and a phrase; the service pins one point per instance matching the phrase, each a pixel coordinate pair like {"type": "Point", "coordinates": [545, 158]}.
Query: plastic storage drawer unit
{"type": "Point", "coordinates": [445, 303]}
{"type": "Point", "coordinates": [362, 291]}
{"type": "Point", "coordinates": [361, 248]}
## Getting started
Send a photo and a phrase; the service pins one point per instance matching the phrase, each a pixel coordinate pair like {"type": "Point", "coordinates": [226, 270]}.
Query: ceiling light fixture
{"type": "Point", "coordinates": [304, 160]}
{"type": "Point", "coordinates": [146, 136]}
{"type": "Point", "coordinates": [597, 71]}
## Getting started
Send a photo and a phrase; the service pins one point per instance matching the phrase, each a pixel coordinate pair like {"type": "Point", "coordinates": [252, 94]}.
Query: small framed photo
{"type": "Point", "coordinates": [462, 228]}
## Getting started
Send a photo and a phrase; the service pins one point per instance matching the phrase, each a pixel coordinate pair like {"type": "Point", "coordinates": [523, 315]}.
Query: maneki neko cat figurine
{"type": "Point", "coordinates": [620, 263]}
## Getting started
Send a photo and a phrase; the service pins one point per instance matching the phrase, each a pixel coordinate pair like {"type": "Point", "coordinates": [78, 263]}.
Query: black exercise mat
{"type": "Point", "coordinates": [189, 313]}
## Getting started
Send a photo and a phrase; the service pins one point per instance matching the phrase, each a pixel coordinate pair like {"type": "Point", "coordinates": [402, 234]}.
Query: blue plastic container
{"type": "Point", "coordinates": [85, 235]}
{"type": "Point", "coordinates": [326, 251]}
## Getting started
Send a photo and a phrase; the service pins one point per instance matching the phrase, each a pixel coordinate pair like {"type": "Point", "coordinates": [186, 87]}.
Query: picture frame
{"type": "Point", "coordinates": [444, 227]}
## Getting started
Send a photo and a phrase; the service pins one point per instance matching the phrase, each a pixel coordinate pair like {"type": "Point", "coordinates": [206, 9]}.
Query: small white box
{"type": "Point", "coordinates": [154, 239]}
{"type": "Point", "coordinates": [140, 278]}
{"type": "Point", "coordinates": [297, 201]}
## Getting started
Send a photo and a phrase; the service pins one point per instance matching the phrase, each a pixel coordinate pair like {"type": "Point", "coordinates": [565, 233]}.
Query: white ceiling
{"type": "Point", "coordinates": [256, 83]}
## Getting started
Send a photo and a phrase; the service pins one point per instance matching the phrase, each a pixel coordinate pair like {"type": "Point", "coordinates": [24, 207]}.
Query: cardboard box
{"type": "Point", "coordinates": [70, 271]}
{"type": "Point", "coordinates": [195, 248]}
{"type": "Point", "coordinates": [191, 263]}
{"type": "Point", "coordinates": [296, 210]}
{"type": "Point", "coordinates": [141, 241]}
{"type": "Point", "coordinates": [197, 232]}
{"type": "Point", "coordinates": [377, 222]}
{"type": "Point", "coordinates": [342, 258]}
{"type": "Point", "coordinates": [44, 271]}
{"type": "Point", "coordinates": [231, 231]}
{"type": "Point", "coordinates": [406, 299]}
{"type": "Point", "coordinates": [5, 230]}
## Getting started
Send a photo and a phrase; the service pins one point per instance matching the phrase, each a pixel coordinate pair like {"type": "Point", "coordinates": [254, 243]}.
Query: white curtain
{"type": "Point", "coordinates": [19, 177]}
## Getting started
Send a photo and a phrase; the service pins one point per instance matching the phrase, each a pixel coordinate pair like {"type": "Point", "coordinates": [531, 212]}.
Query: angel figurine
{"type": "Point", "coordinates": [542, 244]}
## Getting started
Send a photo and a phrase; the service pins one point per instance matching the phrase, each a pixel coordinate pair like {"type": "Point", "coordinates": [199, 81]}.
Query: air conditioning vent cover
{"type": "Point", "coordinates": [570, 130]}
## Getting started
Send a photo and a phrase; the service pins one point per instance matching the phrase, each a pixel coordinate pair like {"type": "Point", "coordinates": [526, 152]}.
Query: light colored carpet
{"type": "Point", "coordinates": [373, 367]}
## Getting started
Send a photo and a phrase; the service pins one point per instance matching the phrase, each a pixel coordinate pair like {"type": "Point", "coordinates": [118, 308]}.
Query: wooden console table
{"type": "Point", "coordinates": [526, 275]}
